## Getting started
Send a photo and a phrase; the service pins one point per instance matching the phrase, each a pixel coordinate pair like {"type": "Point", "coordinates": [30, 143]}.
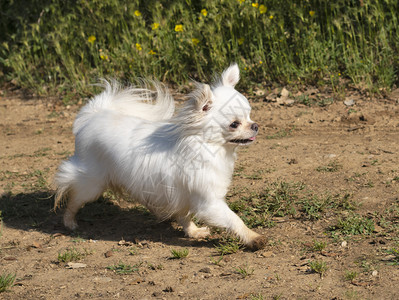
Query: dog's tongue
{"type": "Point", "coordinates": [252, 138]}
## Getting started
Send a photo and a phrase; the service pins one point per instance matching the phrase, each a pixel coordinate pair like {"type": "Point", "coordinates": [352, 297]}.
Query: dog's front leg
{"type": "Point", "coordinates": [219, 214]}
{"type": "Point", "coordinates": [191, 230]}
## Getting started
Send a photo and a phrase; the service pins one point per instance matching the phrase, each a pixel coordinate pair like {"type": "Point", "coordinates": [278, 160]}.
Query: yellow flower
{"type": "Point", "coordinates": [255, 4]}
{"type": "Point", "coordinates": [137, 13]}
{"type": "Point", "coordinates": [204, 12]}
{"type": "Point", "coordinates": [241, 41]}
{"type": "Point", "coordinates": [241, 1]}
{"type": "Point", "coordinates": [311, 13]}
{"type": "Point", "coordinates": [154, 26]}
{"type": "Point", "coordinates": [138, 47]}
{"type": "Point", "coordinates": [152, 52]}
{"type": "Point", "coordinates": [260, 62]}
{"type": "Point", "coordinates": [104, 57]}
{"type": "Point", "coordinates": [262, 9]}
{"type": "Point", "coordinates": [91, 39]}
{"type": "Point", "coordinates": [179, 28]}
{"type": "Point", "coordinates": [195, 41]}
{"type": "Point", "coordinates": [271, 17]}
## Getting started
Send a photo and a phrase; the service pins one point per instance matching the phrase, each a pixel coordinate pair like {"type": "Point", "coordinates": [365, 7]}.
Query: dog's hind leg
{"type": "Point", "coordinates": [191, 230]}
{"type": "Point", "coordinates": [83, 192]}
{"type": "Point", "coordinates": [80, 186]}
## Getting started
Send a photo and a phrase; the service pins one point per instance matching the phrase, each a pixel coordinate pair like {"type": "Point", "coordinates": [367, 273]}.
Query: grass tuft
{"type": "Point", "coordinates": [228, 246]}
{"type": "Point", "coordinates": [6, 281]}
{"type": "Point", "coordinates": [354, 225]}
{"type": "Point", "coordinates": [318, 266]}
{"type": "Point", "coordinates": [72, 254]}
{"type": "Point", "coordinates": [178, 254]}
{"type": "Point", "coordinates": [122, 268]}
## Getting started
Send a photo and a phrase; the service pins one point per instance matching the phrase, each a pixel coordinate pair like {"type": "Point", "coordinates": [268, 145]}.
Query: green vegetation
{"type": "Point", "coordinates": [315, 246]}
{"type": "Point", "coordinates": [351, 276]}
{"type": "Point", "coordinates": [318, 266]}
{"type": "Point", "coordinates": [333, 166]}
{"type": "Point", "coordinates": [228, 246]}
{"type": "Point", "coordinates": [6, 281]}
{"type": "Point", "coordinates": [178, 254]}
{"type": "Point", "coordinates": [282, 199]}
{"type": "Point", "coordinates": [245, 271]}
{"type": "Point", "coordinates": [57, 46]}
{"type": "Point", "coordinates": [72, 254]}
{"type": "Point", "coordinates": [123, 269]}
{"type": "Point", "coordinates": [395, 255]}
{"type": "Point", "coordinates": [354, 224]}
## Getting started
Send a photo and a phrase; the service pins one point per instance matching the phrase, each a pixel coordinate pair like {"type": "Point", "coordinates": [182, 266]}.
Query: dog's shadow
{"type": "Point", "coordinates": [101, 220]}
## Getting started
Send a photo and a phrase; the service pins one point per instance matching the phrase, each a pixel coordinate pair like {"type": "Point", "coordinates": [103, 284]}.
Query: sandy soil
{"type": "Point", "coordinates": [336, 149]}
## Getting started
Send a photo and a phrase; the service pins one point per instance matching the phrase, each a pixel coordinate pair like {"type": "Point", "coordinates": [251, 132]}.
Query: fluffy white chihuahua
{"type": "Point", "coordinates": [177, 165]}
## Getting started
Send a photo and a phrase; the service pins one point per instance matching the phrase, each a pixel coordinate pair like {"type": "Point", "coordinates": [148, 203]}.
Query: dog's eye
{"type": "Point", "coordinates": [235, 124]}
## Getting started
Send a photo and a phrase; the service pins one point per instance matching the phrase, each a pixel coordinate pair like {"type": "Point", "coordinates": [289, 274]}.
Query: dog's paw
{"type": "Point", "coordinates": [199, 233]}
{"type": "Point", "coordinates": [257, 243]}
{"type": "Point", "coordinates": [70, 223]}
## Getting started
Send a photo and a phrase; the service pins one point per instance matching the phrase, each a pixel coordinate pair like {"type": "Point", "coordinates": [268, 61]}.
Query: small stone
{"type": "Point", "coordinates": [169, 289]}
{"type": "Point", "coordinates": [284, 92]}
{"type": "Point", "coordinates": [289, 102]}
{"type": "Point", "coordinates": [10, 258]}
{"type": "Point", "coordinates": [344, 244]}
{"type": "Point", "coordinates": [102, 279]}
{"type": "Point", "coordinates": [72, 265]}
{"type": "Point", "coordinates": [108, 254]}
{"type": "Point", "coordinates": [374, 273]}
{"type": "Point", "coordinates": [37, 245]}
{"type": "Point", "coordinates": [205, 270]}
{"type": "Point", "coordinates": [349, 102]}
{"type": "Point", "coordinates": [267, 254]}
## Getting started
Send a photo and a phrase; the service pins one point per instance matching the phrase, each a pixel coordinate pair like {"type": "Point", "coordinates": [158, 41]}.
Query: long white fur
{"type": "Point", "coordinates": [178, 165]}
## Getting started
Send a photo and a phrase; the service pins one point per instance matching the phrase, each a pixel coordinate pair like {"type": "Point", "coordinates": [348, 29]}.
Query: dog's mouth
{"type": "Point", "coordinates": [243, 141]}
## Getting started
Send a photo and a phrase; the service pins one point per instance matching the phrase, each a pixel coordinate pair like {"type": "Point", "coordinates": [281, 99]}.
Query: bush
{"type": "Point", "coordinates": [53, 45]}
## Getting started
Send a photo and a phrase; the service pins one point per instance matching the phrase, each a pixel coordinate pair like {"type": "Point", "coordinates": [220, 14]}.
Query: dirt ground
{"type": "Point", "coordinates": [339, 149]}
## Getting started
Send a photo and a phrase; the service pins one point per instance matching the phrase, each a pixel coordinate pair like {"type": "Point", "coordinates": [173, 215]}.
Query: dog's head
{"type": "Point", "coordinates": [222, 114]}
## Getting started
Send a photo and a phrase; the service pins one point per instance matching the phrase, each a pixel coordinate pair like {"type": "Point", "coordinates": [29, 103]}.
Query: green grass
{"type": "Point", "coordinates": [56, 47]}
{"type": "Point", "coordinates": [288, 199]}
{"type": "Point", "coordinates": [245, 271]}
{"type": "Point", "coordinates": [178, 254]}
{"type": "Point", "coordinates": [6, 282]}
{"type": "Point", "coordinates": [351, 276]}
{"type": "Point", "coordinates": [72, 254]}
{"type": "Point", "coordinates": [354, 224]}
{"type": "Point", "coordinates": [122, 268]}
{"type": "Point", "coordinates": [318, 266]}
{"type": "Point", "coordinates": [316, 246]}
{"type": "Point", "coordinates": [228, 246]}
{"type": "Point", "coordinates": [395, 255]}
{"type": "Point", "coordinates": [333, 166]}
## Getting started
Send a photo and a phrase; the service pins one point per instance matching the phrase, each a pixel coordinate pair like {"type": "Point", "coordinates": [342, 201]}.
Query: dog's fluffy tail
{"type": "Point", "coordinates": [154, 104]}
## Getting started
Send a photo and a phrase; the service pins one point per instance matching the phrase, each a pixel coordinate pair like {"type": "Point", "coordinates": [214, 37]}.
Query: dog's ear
{"type": "Point", "coordinates": [203, 97]}
{"type": "Point", "coordinates": [231, 76]}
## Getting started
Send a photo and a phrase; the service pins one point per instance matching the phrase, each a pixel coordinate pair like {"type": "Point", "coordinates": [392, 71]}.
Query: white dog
{"type": "Point", "coordinates": [177, 165]}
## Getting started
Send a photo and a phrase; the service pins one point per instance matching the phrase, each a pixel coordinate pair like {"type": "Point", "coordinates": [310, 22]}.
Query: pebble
{"type": "Point", "coordinates": [72, 265]}
{"type": "Point", "coordinates": [344, 244]}
{"type": "Point", "coordinates": [349, 102]}
{"type": "Point", "coordinates": [374, 273]}
{"type": "Point", "coordinates": [205, 270]}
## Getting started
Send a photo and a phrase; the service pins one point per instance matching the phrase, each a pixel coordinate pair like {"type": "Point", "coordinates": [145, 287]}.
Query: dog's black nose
{"type": "Point", "coordinates": [254, 127]}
